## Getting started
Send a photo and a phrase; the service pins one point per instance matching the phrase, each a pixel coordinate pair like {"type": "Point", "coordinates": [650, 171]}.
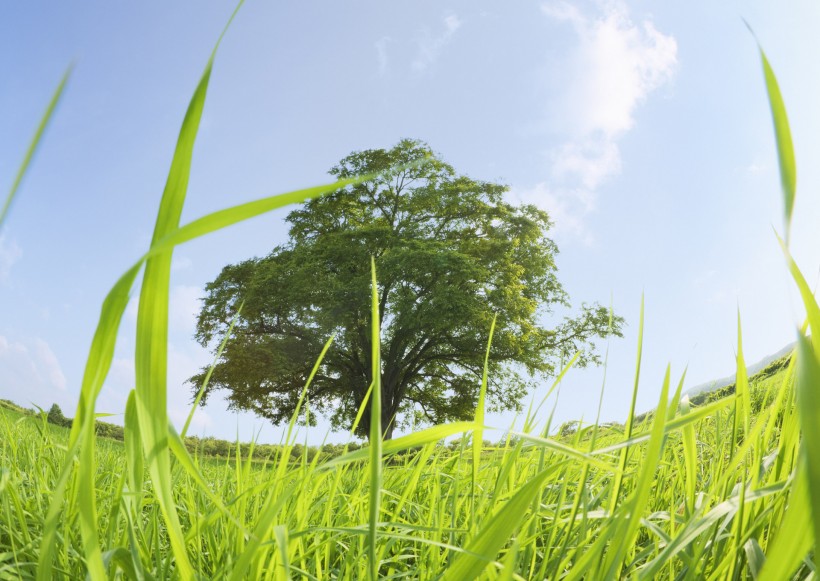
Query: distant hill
{"type": "Point", "coordinates": [717, 384]}
{"type": "Point", "coordinates": [719, 388]}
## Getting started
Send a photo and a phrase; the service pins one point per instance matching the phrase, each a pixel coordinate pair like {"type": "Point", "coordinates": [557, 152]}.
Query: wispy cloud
{"type": "Point", "coordinates": [381, 54]}
{"type": "Point", "coordinates": [179, 263]}
{"type": "Point", "coordinates": [31, 373]}
{"type": "Point", "coordinates": [48, 364]}
{"type": "Point", "coordinates": [184, 307]}
{"type": "Point", "coordinates": [615, 65]}
{"type": "Point", "coordinates": [430, 46]}
{"type": "Point", "coordinates": [618, 64]}
{"type": "Point", "coordinates": [10, 254]}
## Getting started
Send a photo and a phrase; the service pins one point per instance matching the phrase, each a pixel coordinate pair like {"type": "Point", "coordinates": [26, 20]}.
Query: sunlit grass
{"type": "Point", "coordinates": [724, 490]}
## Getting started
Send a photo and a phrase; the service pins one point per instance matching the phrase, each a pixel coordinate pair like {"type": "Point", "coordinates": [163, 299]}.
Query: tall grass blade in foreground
{"type": "Point", "coordinates": [152, 329]}
{"type": "Point", "coordinates": [630, 419]}
{"type": "Point", "coordinates": [478, 434]}
{"type": "Point", "coordinates": [375, 426]}
{"type": "Point", "coordinates": [808, 402]}
{"type": "Point", "coordinates": [796, 538]}
{"type": "Point", "coordinates": [783, 139]}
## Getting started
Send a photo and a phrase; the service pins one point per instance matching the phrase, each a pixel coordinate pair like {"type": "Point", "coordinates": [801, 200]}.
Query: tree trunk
{"type": "Point", "coordinates": [389, 410]}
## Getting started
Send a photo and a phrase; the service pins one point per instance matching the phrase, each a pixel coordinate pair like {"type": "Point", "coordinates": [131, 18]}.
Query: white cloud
{"type": "Point", "coordinates": [589, 162]}
{"type": "Point", "coordinates": [180, 263]}
{"type": "Point", "coordinates": [757, 167]}
{"type": "Point", "coordinates": [565, 207]}
{"type": "Point", "coordinates": [429, 46]}
{"type": "Point", "coordinates": [31, 373]}
{"type": "Point", "coordinates": [49, 364]}
{"type": "Point", "coordinates": [618, 64]}
{"type": "Point", "coordinates": [184, 307]}
{"type": "Point", "coordinates": [381, 54]}
{"type": "Point", "coordinates": [10, 254]}
{"type": "Point", "coordinates": [615, 65]}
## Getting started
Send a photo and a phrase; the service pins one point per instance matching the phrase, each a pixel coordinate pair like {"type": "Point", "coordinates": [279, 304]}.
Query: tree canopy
{"type": "Point", "coordinates": [451, 252]}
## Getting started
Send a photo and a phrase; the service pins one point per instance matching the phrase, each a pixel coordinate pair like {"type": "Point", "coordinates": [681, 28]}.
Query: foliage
{"type": "Point", "coordinates": [450, 252]}
{"type": "Point", "coordinates": [55, 416]}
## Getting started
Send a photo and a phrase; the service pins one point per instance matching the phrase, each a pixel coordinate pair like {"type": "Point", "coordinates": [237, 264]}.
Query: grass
{"type": "Point", "coordinates": [723, 490]}
{"type": "Point", "coordinates": [687, 521]}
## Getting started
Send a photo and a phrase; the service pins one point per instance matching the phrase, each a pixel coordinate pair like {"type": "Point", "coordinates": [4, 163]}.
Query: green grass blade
{"type": "Point", "coordinates": [283, 459]}
{"type": "Point", "coordinates": [478, 435]}
{"type": "Point", "coordinates": [32, 148]}
{"type": "Point", "coordinates": [783, 138]}
{"type": "Point", "coordinates": [678, 423]}
{"type": "Point", "coordinates": [280, 533]}
{"type": "Point", "coordinates": [133, 454]}
{"type": "Point", "coordinates": [97, 365]}
{"type": "Point", "coordinates": [630, 420]}
{"type": "Point", "coordinates": [697, 526]}
{"type": "Point", "coordinates": [809, 302]}
{"type": "Point", "coordinates": [152, 331]}
{"type": "Point", "coordinates": [207, 379]}
{"type": "Point", "coordinates": [794, 538]}
{"type": "Point", "coordinates": [375, 427]}
{"type": "Point", "coordinates": [742, 394]}
{"type": "Point", "coordinates": [629, 527]}
{"type": "Point", "coordinates": [494, 534]}
{"type": "Point", "coordinates": [565, 450]}
{"type": "Point", "coordinates": [264, 524]}
{"type": "Point", "coordinates": [151, 359]}
{"type": "Point", "coordinates": [690, 457]}
{"type": "Point", "coordinates": [808, 402]}
{"type": "Point", "coordinates": [414, 440]}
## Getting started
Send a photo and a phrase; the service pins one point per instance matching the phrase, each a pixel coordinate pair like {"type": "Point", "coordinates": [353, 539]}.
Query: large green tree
{"type": "Point", "coordinates": [450, 252]}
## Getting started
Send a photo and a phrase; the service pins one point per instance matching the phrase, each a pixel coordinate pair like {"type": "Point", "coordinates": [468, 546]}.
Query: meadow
{"type": "Point", "coordinates": [728, 489]}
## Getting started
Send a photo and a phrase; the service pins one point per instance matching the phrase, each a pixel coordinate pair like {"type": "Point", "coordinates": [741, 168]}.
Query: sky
{"type": "Point", "coordinates": [641, 127]}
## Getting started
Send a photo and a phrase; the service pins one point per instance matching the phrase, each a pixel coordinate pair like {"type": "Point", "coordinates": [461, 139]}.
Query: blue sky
{"type": "Point", "coordinates": [642, 127]}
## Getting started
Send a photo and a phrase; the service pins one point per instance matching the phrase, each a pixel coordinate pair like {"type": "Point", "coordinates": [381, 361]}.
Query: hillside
{"type": "Point", "coordinates": [751, 370]}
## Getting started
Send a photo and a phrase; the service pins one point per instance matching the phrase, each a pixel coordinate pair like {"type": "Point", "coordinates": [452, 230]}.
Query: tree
{"type": "Point", "coordinates": [450, 252]}
{"type": "Point", "coordinates": [56, 417]}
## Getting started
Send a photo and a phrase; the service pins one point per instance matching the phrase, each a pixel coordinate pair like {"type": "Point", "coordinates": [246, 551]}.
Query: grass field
{"type": "Point", "coordinates": [729, 489]}
{"type": "Point", "coordinates": [709, 500]}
